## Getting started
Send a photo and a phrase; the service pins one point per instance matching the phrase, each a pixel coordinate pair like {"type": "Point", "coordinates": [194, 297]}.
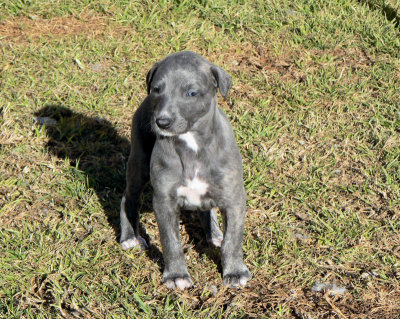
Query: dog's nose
{"type": "Point", "coordinates": [164, 122]}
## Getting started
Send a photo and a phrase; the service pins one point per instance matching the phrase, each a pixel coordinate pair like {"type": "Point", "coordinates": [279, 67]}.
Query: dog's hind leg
{"type": "Point", "coordinates": [137, 175]}
{"type": "Point", "coordinates": [211, 228]}
{"type": "Point", "coordinates": [130, 205]}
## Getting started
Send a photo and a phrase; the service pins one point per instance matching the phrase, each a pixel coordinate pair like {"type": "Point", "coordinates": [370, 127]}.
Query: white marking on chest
{"type": "Point", "coordinates": [190, 141]}
{"type": "Point", "coordinates": [193, 190]}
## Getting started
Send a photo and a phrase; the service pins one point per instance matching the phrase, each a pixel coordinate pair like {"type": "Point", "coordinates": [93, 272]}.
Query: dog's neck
{"type": "Point", "coordinates": [202, 133]}
{"type": "Point", "coordinates": [197, 143]}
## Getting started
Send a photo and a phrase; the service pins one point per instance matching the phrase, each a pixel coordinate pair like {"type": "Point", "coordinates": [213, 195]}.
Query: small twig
{"type": "Point", "coordinates": [330, 302]}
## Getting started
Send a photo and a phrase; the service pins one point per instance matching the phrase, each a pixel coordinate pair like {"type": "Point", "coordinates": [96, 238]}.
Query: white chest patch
{"type": "Point", "coordinates": [192, 191]}
{"type": "Point", "coordinates": [190, 141]}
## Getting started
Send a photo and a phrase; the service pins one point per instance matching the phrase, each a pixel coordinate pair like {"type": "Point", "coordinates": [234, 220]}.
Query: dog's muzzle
{"type": "Point", "coordinates": [164, 122]}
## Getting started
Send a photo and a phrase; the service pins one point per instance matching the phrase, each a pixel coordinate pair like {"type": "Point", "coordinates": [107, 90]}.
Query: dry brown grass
{"type": "Point", "coordinates": [91, 25]}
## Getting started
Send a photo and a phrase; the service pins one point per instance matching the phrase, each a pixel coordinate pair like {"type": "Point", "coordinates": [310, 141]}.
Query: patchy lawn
{"type": "Point", "coordinates": [315, 109]}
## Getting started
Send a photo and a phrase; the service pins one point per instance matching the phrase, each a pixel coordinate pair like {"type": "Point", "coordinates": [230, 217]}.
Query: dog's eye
{"type": "Point", "coordinates": [191, 93]}
{"type": "Point", "coordinates": [155, 89]}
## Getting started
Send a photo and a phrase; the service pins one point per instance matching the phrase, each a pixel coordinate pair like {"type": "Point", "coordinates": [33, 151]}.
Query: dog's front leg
{"type": "Point", "coordinates": [235, 272]}
{"type": "Point", "coordinates": [175, 274]}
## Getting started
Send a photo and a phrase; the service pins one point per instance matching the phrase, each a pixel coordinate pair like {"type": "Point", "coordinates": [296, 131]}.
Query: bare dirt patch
{"type": "Point", "coordinates": [255, 58]}
{"type": "Point", "coordinates": [23, 29]}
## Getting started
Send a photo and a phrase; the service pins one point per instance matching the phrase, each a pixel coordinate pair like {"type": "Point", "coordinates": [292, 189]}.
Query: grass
{"type": "Point", "coordinates": [315, 111]}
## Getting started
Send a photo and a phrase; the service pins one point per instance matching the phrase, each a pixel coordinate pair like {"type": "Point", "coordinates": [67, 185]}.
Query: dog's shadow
{"type": "Point", "coordinates": [101, 153]}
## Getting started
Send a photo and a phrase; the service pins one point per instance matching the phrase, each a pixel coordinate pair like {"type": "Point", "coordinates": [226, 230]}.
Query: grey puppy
{"type": "Point", "coordinates": [183, 142]}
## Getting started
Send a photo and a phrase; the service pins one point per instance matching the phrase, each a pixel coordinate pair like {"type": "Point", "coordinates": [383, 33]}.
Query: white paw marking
{"type": "Point", "coordinates": [190, 141]}
{"type": "Point", "coordinates": [180, 283]}
{"type": "Point", "coordinates": [134, 242]}
{"type": "Point", "coordinates": [216, 242]}
{"type": "Point", "coordinates": [243, 281]}
{"type": "Point", "coordinates": [193, 190]}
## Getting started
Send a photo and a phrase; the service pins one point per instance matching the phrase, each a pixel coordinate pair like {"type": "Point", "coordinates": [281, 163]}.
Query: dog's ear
{"type": "Point", "coordinates": [224, 81]}
{"type": "Point", "coordinates": [149, 77]}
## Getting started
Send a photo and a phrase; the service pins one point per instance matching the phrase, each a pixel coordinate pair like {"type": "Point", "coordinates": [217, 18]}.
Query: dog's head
{"type": "Point", "coordinates": [183, 89]}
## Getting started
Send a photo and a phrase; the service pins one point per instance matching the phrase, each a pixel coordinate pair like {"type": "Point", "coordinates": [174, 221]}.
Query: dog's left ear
{"type": "Point", "coordinates": [149, 77]}
{"type": "Point", "coordinates": [224, 81]}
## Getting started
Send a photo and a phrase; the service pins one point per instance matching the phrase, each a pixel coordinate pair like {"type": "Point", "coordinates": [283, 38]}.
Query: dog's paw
{"type": "Point", "coordinates": [138, 242]}
{"type": "Point", "coordinates": [237, 279]}
{"type": "Point", "coordinates": [216, 241]}
{"type": "Point", "coordinates": [214, 236]}
{"type": "Point", "coordinates": [178, 282]}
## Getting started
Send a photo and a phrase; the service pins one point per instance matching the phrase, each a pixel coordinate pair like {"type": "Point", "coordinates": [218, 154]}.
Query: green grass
{"type": "Point", "coordinates": [315, 111]}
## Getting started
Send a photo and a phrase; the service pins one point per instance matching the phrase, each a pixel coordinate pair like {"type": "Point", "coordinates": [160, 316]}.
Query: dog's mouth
{"type": "Point", "coordinates": [164, 133]}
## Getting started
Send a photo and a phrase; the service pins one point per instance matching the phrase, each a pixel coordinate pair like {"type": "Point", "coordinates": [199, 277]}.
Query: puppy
{"type": "Point", "coordinates": [184, 144]}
